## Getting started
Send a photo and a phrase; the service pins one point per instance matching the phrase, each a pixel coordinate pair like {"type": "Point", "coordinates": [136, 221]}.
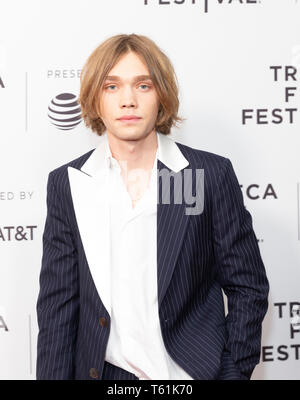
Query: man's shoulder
{"type": "Point", "coordinates": [75, 163]}
{"type": "Point", "coordinates": [199, 158]}
{"type": "Point", "coordinates": [59, 175]}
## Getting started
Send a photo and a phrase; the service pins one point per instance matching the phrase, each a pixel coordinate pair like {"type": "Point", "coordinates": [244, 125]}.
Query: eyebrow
{"type": "Point", "coordinates": [135, 78]}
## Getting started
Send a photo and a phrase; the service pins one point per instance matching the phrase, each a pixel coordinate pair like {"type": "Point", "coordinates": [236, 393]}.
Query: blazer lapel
{"type": "Point", "coordinates": [90, 189]}
{"type": "Point", "coordinates": [172, 223]}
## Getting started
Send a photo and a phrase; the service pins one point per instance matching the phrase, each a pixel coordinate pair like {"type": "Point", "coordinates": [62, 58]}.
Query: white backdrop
{"type": "Point", "coordinates": [238, 66]}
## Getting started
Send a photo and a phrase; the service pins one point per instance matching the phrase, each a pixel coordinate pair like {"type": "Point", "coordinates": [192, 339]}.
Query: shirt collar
{"type": "Point", "coordinates": [167, 152]}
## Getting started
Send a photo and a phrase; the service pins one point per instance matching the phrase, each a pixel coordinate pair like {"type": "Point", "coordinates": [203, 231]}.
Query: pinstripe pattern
{"type": "Point", "coordinates": [113, 372]}
{"type": "Point", "coordinates": [197, 255]}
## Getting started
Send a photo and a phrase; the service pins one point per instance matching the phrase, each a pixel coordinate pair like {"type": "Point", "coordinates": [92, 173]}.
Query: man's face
{"type": "Point", "coordinates": [127, 93]}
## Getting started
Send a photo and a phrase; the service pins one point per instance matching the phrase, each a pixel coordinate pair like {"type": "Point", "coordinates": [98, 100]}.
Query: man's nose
{"type": "Point", "coordinates": [128, 98]}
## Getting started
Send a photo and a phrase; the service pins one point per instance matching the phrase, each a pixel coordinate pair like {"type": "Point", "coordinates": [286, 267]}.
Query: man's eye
{"type": "Point", "coordinates": [112, 86]}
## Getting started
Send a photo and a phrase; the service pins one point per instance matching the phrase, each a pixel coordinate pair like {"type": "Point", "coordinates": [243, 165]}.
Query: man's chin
{"type": "Point", "coordinates": [129, 133]}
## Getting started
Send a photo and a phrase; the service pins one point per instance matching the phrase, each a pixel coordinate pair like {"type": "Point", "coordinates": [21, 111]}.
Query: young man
{"type": "Point", "coordinates": [132, 275]}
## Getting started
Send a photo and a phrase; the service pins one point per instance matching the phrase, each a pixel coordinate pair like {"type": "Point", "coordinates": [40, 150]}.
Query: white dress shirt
{"type": "Point", "coordinates": [135, 342]}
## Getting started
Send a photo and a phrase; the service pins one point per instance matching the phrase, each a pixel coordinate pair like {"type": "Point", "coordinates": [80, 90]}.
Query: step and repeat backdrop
{"type": "Point", "coordinates": [238, 68]}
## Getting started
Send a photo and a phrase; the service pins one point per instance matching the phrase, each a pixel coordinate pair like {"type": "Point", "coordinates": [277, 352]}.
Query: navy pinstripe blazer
{"type": "Point", "coordinates": [197, 255]}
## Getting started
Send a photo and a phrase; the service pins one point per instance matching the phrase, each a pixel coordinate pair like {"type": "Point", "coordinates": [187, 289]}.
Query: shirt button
{"type": "Point", "coordinates": [94, 373]}
{"type": "Point", "coordinates": [103, 321]}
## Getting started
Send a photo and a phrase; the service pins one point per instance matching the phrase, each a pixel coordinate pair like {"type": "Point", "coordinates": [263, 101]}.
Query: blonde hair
{"type": "Point", "coordinates": [103, 59]}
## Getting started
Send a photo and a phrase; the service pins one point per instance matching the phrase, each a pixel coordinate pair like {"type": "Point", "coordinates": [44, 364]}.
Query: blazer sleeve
{"type": "Point", "coordinates": [58, 299]}
{"type": "Point", "coordinates": [240, 271]}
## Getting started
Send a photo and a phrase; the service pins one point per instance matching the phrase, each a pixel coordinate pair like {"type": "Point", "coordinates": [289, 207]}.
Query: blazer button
{"type": "Point", "coordinates": [103, 321]}
{"type": "Point", "coordinates": [94, 373]}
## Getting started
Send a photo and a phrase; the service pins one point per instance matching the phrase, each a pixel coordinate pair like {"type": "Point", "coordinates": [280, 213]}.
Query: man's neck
{"type": "Point", "coordinates": [136, 154]}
